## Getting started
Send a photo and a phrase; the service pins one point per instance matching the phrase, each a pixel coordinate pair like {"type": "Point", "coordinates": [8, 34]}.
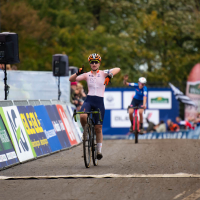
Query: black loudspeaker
{"type": "Point", "coordinates": [73, 69]}
{"type": "Point", "coordinates": [60, 65]}
{"type": "Point", "coordinates": [9, 50]}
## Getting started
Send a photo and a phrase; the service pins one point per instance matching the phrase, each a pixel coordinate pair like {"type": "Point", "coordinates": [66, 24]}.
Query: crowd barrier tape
{"type": "Point", "coordinates": [29, 130]}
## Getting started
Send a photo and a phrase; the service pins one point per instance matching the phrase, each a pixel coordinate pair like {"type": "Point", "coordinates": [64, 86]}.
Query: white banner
{"type": "Point", "coordinates": [127, 98]}
{"type": "Point", "coordinates": [120, 118]}
{"type": "Point", "coordinates": [160, 100]}
{"type": "Point", "coordinates": [113, 100]}
{"type": "Point", "coordinates": [19, 136]}
{"type": "Point", "coordinates": [34, 85]}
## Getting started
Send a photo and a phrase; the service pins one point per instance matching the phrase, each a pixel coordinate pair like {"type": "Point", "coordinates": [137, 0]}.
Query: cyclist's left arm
{"type": "Point", "coordinates": [144, 97]}
{"type": "Point", "coordinates": [114, 71]}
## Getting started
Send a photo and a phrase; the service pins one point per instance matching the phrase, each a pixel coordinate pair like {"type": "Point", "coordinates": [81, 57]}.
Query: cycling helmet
{"type": "Point", "coordinates": [94, 56]}
{"type": "Point", "coordinates": [142, 80]}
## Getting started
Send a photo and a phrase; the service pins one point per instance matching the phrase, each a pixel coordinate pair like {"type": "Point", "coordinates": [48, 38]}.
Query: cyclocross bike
{"type": "Point", "coordinates": [89, 138]}
{"type": "Point", "coordinates": [136, 122]}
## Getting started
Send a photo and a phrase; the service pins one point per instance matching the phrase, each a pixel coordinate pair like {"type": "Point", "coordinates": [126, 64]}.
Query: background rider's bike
{"type": "Point", "coordinates": [136, 123]}
{"type": "Point", "coordinates": [89, 138]}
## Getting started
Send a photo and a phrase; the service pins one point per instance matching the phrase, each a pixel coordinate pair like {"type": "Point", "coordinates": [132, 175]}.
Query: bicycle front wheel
{"type": "Point", "coordinates": [136, 130]}
{"type": "Point", "coordinates": [94, 148]}
{"type": "Point", "coordinates": [87, 145]}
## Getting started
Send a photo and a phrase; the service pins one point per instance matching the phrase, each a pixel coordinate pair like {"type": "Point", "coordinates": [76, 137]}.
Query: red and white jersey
{"type": "Point", "coordinates": [95, 83]}
{"type": "Point", "coordinates": [186, 124]}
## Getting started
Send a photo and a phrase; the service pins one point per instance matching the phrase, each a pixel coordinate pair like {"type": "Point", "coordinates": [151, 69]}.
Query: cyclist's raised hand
{"type": "Point", "coordinates": [125, 79]}
{"type": "Point", "coordinates": [107, 80]}
{"type": "Point", "coordinates": [80, 71]}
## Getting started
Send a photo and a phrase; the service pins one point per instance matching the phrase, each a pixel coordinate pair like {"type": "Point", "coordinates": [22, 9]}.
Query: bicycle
{"type": "Point", "coordinates": [136, 122]}
{"type": "Point", "coordinates": [89, 139]}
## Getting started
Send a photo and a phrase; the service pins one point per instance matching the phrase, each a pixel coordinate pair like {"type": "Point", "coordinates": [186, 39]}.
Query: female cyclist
{"type": "Point", "coordinates": [139, 99]}
{"type": "Point", "coordinates": [96, 81]}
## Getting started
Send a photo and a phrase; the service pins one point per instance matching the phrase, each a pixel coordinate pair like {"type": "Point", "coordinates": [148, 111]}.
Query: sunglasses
{"type": "Point", "coordinates": [94, 62]}
{"type": "Point", "coordinates": [141, 84]}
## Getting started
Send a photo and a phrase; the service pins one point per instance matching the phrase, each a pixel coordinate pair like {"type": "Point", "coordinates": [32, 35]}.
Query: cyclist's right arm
{"type": "Point", "coordinates": [79, 76]}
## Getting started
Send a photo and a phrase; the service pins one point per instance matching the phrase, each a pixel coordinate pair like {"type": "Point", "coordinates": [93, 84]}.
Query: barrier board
{"type": "Point", "coordinates": [70, 133]}
{"type": "Point", "coordinates": [76, 124]}
{"type": "Point", "coordinates": [30, 131]}
{"type": "Point", "coordinates": [18, 135]}
{"type": "Point", "coordinates": [7, 152]}
{"type": "Point", "coordinates": [35, 131]}
{"type": "Point", "coordinates": [58, 126]}
{"type": "Point", "coordinates": [48, 128]}
{"type": "Point", "coordinates": [45, 147]}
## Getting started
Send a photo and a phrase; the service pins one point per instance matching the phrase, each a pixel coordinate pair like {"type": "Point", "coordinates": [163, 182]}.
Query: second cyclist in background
{"type": "Point", "coordinates": [139, 99]}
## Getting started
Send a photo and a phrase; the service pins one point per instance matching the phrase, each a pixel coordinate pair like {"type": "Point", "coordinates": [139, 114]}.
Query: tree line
{"type": "Point", "coordinates": [158, 39]}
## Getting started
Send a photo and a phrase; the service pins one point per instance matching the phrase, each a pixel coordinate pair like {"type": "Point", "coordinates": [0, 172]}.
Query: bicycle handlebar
{"type": "Point", "coordinates": [136, 107]}
{"type": "Point", "coordinates": [92, 112]}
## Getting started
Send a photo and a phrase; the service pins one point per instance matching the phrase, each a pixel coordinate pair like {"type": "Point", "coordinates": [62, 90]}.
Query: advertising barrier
{"type": "Point", "coordinates": [67, 125]}
{"type": "Point", "coordinates": [30, 129]}
{"type": "Point", "coordinates": [17, 133]}
{"type": "Point", "coordinates": [77, 124]}
{"type": "Point", "coordinates": [48, 128]}
{"type": "Point", "coordinates": [187, 134]}
{"type": "Point", "coordinates": [161, 105]}
{"type": "Point", "coordinates": [58, 126]}
{"type": "Point", "coordinates": [45, 147]}
{"type": "Point", "coordinates": [7, 152]}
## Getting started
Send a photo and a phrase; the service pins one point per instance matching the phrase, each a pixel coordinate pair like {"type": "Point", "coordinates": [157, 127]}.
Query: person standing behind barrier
{"type": "Point", "coordinates": [183, 124]}
{"type": "Point", "coordinates": [161, 127]}
{"type": "Point", "coordinates": [96, 81]}
{"type": "Point", "coordinates": [139, 99]}
{"type": "Point", "coordinates": [172, 126]}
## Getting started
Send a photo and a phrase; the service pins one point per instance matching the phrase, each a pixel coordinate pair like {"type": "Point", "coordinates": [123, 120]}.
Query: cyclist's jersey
{"type": "Point", "coordinates": [139, 93]}
{"type": "Point", "coordinates": [95, 84]}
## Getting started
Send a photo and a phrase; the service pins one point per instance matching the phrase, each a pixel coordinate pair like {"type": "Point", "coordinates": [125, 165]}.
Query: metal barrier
{"type": "Point", "coordinates": [6, 103]}
{"type": "Point", "coordinates": [20, 102]}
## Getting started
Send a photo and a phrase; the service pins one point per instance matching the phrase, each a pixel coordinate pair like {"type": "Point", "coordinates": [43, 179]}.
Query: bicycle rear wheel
{"type": "Point", "coordinates": [87, 145]}
{"type": "Point", "coordinates": [136, 130]}
{"type": "Point", "coordinates": [94, 148]}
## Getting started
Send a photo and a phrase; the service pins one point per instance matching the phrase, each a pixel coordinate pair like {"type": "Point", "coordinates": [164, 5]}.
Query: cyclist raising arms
{"type": "Point", "coordinates": [96, 80]}
{"type": "Point", "coordinates": [139, 99]}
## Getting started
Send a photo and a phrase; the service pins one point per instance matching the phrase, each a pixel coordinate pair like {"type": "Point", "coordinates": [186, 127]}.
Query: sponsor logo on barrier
{"type": "Point", "coordinates": [11, 155]}
{"type": "Point", "coordinates": [120, 118]}
{"type": "Point", "coordinates": [71, 135]}
{"type": "Point", "coordinates": [160, 100]}
{"type": "Point", "coordinates": [3, 158]}
{"type": "Point", "coordinates": [18, 132]}
{"type": "Point", "coordinates": [50, 133]}
{"type": "Point", "coordinates": [113, 100]}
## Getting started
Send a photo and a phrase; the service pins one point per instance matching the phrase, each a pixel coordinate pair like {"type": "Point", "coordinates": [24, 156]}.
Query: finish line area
{"type": "Point", "coordinates": [79, 176]}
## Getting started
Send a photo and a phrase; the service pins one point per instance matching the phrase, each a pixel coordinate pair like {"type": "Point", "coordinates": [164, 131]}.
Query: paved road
{"type": "Point", "coordinates": [120, 157]}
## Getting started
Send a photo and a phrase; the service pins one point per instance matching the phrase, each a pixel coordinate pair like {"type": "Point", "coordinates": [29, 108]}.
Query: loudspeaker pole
{"type": "Point", "coordinates": [59, 92]}
{"type": "Point", "coordinates": [6, 87]}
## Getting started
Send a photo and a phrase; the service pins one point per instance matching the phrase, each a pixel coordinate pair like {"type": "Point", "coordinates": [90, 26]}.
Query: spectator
{"type": "Point", "coordinates": [183, 124]}
{"type": "Point", "coordinates": [197, 120]}
{"type": "Point", "coordinates": [172, 126]}
{"type": "Point", "coordinates": [73, 99]}
{"type": "Point", "coordinates": [14, 67]}
{"type": "Point", "coordinates": [161, 127]}
{"type": "Point", "coordinates": [81, 92]}
{"type": "Point", "coordinates": [150, 127]}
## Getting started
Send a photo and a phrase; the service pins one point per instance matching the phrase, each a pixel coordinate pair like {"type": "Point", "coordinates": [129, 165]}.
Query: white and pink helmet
{"type": "Point", "coordinates": [142, 80]}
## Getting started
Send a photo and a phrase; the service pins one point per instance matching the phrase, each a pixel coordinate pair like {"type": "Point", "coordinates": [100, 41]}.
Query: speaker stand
{"type": "Point", "coordinates": [59, 92]}
{"type": "Point", "coordinates": [6, 87]}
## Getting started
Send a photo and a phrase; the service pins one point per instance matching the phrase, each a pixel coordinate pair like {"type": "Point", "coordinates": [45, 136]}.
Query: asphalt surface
{"type": "Point", "coordinates": [123, 157]}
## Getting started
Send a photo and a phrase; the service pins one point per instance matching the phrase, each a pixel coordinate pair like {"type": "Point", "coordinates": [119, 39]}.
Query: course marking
{"type": "Point", "coordinates": [178, 175]}
{"type": "Point", "coordinates": [193, 196]}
